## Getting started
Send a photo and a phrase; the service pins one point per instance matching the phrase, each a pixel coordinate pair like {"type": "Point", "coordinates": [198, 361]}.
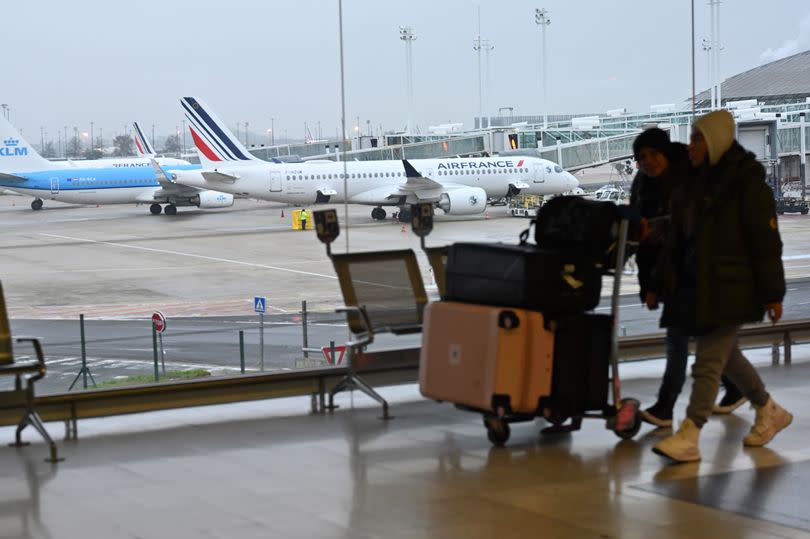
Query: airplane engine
{"type": "Point", "coordinates": [213, 199]}
{"type": "Point", "coordinates": [464, 201]}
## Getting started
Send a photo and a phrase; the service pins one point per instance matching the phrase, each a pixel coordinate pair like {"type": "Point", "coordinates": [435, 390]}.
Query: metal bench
{"type": "Point", "coordinates": [29, 372]}
{"type": "Point", "coordinates": [383, 292]}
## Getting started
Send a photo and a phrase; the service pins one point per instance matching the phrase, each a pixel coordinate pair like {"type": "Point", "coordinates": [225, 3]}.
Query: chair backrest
{"type": "Point", "coordinates": [437, 256]}
{"type": "Point", "coordinates": [387, 284]}
{"type": "Point", "coordinates": [6, 353]}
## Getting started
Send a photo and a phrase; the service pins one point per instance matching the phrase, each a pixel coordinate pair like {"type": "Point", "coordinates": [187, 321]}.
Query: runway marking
{"type": "Point", "coordinates": [191, 255]}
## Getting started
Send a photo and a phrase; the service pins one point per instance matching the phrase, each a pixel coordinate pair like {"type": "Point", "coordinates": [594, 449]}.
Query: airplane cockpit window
{"type": "Point", "coordinates": [557, 168]}
{"type": "Point", "coordinates": [548, 170]}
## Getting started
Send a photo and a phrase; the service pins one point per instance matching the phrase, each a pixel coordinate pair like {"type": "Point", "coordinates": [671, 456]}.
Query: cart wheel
{"type": "Point", "coordinates": [628, 419]}
{"type": "Point", "coordinates": [497, 430]}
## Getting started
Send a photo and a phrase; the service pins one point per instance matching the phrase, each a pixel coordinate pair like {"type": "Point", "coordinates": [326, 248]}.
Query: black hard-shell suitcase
{"type": "Point", "coordinates": [522, 276]}
{"type": "Point", "coordinates": [569, 221]}
{"type": "Point", "coordinates": [580, 380]}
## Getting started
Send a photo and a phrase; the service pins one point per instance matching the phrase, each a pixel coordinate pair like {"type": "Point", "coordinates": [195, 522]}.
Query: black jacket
{"type": "Point", "coordinates": [651, 196]}
{"type": "Point", "coordinates": [728, 264]}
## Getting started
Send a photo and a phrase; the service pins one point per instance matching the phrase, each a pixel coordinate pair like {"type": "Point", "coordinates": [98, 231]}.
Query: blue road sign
{"type": "Point", "coordinates": [260, 304]}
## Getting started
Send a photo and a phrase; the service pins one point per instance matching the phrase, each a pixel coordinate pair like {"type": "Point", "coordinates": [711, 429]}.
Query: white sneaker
{"type": "Point", "coordinates": [683, 445]}
{"type": "Point", "coordinates": [771, 418]}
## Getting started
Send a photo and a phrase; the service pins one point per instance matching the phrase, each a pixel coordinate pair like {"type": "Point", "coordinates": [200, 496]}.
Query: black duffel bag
{"type": "Point", "coordinates": [522, 276]}
{"type": "Point", "coordinates": [572, 222]}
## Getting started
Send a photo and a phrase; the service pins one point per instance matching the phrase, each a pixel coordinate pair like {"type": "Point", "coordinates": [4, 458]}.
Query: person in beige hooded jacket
{"type": "Point", "coordinates": [725, 269]}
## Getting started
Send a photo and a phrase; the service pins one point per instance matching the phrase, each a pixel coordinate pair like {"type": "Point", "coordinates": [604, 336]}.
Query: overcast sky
{"type": "Point", "coordinates": [67, 63]}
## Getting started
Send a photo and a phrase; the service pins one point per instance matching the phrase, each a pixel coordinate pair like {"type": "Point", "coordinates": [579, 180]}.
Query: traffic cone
{"type": "Point", "coordinates": [402, 229]}
{"type": "Point", "coordinates": [486, 215]}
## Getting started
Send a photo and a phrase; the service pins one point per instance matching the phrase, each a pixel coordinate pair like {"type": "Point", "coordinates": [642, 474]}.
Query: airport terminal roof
{"type": "Point", "coordinates": [786, 80]}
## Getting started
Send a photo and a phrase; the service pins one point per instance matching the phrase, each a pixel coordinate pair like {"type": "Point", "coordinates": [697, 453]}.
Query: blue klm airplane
{"type": "Point", "coordinates": [24, 171]}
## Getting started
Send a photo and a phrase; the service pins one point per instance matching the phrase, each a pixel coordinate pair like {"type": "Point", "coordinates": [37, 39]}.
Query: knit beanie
{"type": "Point", "coordinates": [653, 138]}
{"type": "Point", "coordinates": [718, 130]}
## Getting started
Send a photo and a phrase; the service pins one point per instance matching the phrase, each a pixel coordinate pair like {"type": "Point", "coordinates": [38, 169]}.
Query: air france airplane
{"type": "Point", "coordinates": [24, 171]}
{"type": "Point", "coordinates": [457, 186]}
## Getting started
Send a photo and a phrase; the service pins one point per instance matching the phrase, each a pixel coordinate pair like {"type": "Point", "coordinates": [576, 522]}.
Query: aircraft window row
{"type": "Point", "coordinates": [353, 175]}
{"type": "Point", "coordinates": [83, 183]}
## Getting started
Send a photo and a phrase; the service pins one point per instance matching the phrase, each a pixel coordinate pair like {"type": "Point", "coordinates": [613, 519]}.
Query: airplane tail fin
{"type": "Point", "coordinates": [142, 144]}
{"type": "Point", "coordinates": [215, 143]}
{"type": "Point", "coordinates": [16, 155]}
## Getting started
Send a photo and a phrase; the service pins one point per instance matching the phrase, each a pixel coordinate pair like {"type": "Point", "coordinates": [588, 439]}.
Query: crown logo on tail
{"type": "Point", "coordinates": [11, 141]}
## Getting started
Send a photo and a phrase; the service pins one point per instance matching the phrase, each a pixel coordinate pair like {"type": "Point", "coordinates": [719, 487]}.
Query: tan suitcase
{"type": "Point", "coordinates": [483, 357]}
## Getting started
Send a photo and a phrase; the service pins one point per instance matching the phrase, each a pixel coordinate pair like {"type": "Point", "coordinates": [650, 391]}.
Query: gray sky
{"type": "Point", "coordinates": [67, 63]}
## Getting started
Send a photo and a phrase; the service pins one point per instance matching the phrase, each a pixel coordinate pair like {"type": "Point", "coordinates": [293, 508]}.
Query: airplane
{"type": "Point", "coordinates": [24, 171]}
{"type": "Point", "coordinates": [459, 186]}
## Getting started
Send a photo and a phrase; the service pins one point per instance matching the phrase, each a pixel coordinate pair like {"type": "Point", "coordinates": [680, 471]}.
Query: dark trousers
{"type": "Point", "coordinates": [303, 224]}
{"type": "Point", "coordinates": [677, 345]}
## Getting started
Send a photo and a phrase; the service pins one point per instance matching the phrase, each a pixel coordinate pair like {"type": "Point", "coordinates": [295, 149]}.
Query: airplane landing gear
{"type": "Point", "coordinates": [171, 209]}
{"type": "Point", "coordinates": [378, 214]}
{"type": "Point", "coordinates": [155, 209]}
{"type": "Point", "coordinates": [36, 204]}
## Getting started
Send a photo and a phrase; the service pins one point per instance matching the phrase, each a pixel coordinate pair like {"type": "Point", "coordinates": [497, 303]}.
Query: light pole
{"type": "Point", "coordinates": [541, 17]}
{"type": "Point", "coordinates": [487, 46]}
{"type": "Point", "coordinates": [477, 49]}
{"type": "Point", "coordinates": [183, 147]}
{"type": "Point", "coordinates": [706, 45]}
{"type": "Point", "coordinates": [247, 141]}
{"type": "Point", "coordinates": [6, 111]}
{"type": "Point", "coordinates": [91, 135]}
{"type": "Point", "coordinates": [407, 35]}
{"type": "Point", "coordinates": [272, 132]}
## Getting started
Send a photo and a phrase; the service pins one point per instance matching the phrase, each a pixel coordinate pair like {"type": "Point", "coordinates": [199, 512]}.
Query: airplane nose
{"type": "Point", "coordinates": [573, 183]}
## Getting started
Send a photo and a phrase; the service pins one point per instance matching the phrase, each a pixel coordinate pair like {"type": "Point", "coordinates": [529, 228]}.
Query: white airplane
{"type": "Point", "coordinates": [24, 171]}
{"type": "Point", "coordinates": [459, 186]}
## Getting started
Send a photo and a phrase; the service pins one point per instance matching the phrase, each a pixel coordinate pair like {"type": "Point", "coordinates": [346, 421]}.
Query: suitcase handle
{"type": "Point", "coordinates": [508, 320]}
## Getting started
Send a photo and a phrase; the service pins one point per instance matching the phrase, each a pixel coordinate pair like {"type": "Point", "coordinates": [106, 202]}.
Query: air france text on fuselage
{"type": "Point", "coordinates": [478, 164]}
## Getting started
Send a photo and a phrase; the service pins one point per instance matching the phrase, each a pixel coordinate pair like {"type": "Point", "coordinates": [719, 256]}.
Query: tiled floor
{"type": "Point", "coordinates": [248, 470]}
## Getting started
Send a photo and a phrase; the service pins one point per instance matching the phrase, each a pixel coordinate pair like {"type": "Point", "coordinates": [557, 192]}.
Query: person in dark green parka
{"type": "Point", "coordinates": [723, 268]}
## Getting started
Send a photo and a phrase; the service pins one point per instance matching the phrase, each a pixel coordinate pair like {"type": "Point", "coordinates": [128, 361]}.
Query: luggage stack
{"type": "Point", "coordinates": [514, 336]}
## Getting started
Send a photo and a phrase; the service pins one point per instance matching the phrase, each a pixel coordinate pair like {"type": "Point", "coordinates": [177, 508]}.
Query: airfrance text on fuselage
{"type": "Point", "coordinates": [475, 164]}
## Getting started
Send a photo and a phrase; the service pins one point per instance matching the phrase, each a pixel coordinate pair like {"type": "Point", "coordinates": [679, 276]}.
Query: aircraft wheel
{"type": "Point", "coordinates": [36, 204]}
{"type": "Point", "coordinates": [378, 214]}
{"type": "Point", "coordinates": [156, 209]}
{"type": "Point", "coordinates": [171, 209]}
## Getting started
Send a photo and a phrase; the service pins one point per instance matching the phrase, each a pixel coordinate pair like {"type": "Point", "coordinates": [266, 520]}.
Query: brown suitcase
{"type": "Point", "coordinates": [483, 357]}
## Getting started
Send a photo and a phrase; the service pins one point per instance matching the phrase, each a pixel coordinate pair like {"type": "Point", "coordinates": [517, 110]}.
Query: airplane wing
{"type": "Point", "coordinates": [415, 181]}
{"type": "Point", "coordinates": [168, 185]}
{"type": "Point", "coordinates": [416, 188]}
{"type": "Point", "coordinates": [11, 178]}
{"type": "Point", "coordinates": [160, 175]}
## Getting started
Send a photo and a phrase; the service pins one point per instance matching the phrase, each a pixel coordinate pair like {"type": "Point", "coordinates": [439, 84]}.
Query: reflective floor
{"type": "Point", "coordinates": [265, 469]}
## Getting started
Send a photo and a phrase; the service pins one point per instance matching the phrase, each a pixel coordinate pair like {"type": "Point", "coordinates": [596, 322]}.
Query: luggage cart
{"type": "Point", "coordinates": [622, 415]}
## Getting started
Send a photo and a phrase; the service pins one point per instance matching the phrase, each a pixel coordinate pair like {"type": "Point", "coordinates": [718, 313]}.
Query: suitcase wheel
{"type": "Point", "coordinates": [508, 320]}
{"type": "Point", "coordinates": [497, 430]}
{"type": "Point", "coordinates": [627, 421]}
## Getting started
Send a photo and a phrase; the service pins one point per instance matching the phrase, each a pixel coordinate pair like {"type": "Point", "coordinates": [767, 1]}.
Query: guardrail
{"type": "Point", "coordinates": [379, 368]}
